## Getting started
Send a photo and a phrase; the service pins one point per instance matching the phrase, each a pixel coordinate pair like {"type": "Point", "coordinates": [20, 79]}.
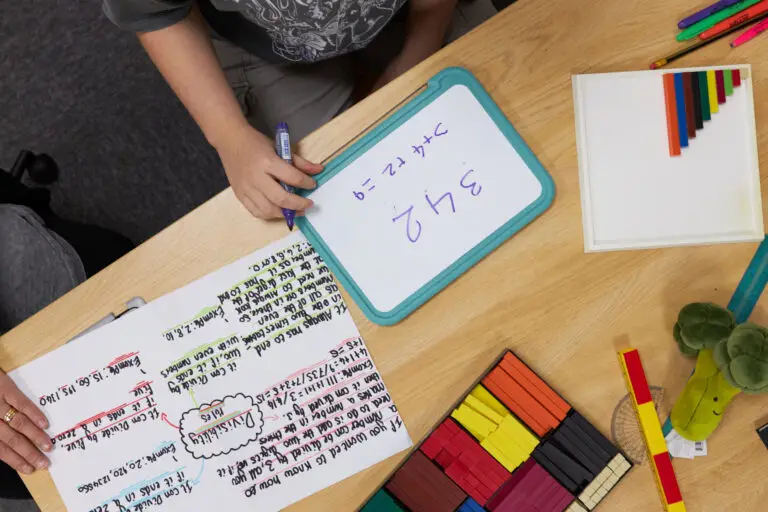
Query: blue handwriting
{"type": "Point", "coordinates": [413, 224]}
{"type": "Point", "coordinates": [391, 170]}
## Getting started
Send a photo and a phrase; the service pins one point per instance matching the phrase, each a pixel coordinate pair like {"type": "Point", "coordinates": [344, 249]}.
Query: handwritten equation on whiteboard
{"type": "Point", "coordinates": [391, 169]}
{"type": "Point", "coordinates": [412, 214]}
{"type": "Point", "coordinates": [248, 389]}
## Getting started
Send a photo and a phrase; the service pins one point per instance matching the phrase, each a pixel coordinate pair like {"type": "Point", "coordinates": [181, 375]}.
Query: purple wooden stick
{"type": "Point", "coordinates": [707, 12]}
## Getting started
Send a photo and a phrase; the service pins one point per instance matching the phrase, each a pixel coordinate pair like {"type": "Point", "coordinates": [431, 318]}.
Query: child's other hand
{"type": "Point", "coordinates": [394, 69]}
{"type": "Point", "coordinates": [255, 171]}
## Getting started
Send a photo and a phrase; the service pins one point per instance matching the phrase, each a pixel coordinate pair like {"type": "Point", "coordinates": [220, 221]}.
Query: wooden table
{"type": "Point", "coordinates": [559, 308]}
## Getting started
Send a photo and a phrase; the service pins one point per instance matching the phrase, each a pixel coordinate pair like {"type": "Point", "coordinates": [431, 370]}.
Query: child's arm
{"type": "Point", "coordinates": [425, 32]}
{"type": "Point", "coordinates": [184, 55]}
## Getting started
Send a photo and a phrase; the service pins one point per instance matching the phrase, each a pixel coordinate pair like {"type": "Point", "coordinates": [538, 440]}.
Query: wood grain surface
{"type": "Point", "coordinates": [564, 312]}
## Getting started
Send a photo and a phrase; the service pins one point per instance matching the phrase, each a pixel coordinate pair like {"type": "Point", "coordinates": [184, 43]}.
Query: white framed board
{"type": "Point", "coordinates": [424, 196]}
{"type": "Point", "coordinates": [657, 171]}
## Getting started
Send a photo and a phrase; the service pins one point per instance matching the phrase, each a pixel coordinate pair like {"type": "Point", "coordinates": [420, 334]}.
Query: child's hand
{"type": "Point", "coordinates": [254, 170]}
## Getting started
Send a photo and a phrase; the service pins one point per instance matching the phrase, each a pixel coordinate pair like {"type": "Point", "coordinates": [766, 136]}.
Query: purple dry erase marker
{"type": "Point", "coordinates": [283, 150]}
{"type": "Point", "coordinates": [706, 12]}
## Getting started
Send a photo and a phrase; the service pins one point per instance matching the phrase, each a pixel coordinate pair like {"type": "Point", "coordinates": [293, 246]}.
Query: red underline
{"type": "Point", "coordinates": [111, 425]}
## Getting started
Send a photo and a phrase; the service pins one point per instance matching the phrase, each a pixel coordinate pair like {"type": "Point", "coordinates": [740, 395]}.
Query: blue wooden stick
{"type": "Point", "coordinates": [751, 285]}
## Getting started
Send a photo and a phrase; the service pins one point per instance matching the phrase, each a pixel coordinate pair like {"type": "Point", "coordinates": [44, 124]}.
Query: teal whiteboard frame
{"type": "Point", "coordinates": [436, 86]}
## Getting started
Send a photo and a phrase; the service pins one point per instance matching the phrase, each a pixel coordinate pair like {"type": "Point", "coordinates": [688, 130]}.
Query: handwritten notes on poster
{"type": "Point", "coordinates": [248, 389]}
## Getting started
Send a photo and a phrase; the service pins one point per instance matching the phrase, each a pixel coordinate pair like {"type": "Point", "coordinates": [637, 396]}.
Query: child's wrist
{"type": "Point", "coordinates": [228, 133]}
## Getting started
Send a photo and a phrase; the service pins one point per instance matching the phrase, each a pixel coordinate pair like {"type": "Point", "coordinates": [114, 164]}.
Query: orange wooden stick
{"type": "Point", "coordinates": [671, 104]}
{"type": "Point", "coordinates": [513, 406]}
{"type": "Point", "coordinates": [537, 387]}
{"type": "Point", "coordinates": [522, 399]}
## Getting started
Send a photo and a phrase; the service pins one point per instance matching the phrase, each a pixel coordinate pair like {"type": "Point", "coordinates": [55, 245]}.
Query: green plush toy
{"type": "Point", "coordinates": [729, 359]}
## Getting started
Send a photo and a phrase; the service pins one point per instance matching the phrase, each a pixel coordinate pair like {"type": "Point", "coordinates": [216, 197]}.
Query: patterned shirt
{"type": "Point", "coordinates": [276, 30]}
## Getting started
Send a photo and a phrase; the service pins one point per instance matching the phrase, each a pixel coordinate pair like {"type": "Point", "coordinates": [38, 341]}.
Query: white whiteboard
{"type": "Point", "coordinates": [635, 195]}
{"type": "Point", "coordinates": [354, 210]}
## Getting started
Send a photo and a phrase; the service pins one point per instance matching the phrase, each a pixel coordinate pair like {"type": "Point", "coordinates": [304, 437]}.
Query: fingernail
{"type": "Point", "coordinates": [27, 470]}
{"type": "Point", "coordinates": [42, 424]}
{"type": "Point", "coordinates": [47, 447]}
{"type": "Point", "coordinates": [41, 464]}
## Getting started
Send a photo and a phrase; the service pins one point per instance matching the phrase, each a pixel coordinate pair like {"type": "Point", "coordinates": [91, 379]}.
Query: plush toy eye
{"type": "Point", "coordinates": [715, 399]}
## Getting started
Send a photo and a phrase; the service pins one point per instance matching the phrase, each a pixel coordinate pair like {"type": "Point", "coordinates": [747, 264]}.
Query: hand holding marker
{"type": "Point", "coordinates": [283, 150]}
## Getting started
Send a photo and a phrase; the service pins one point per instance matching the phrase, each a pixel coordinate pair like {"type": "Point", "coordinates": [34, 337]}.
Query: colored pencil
{"type": "Point", "coordinates": [709, 22]}
{"type": "Point", "coordinates": [699, 44]}
{"type": "Point", "coordinates": [750, 34]}
{"type": "Point", "coordinates": [705, 13]}
{"type": "Point", "coordinates": [742, 17]}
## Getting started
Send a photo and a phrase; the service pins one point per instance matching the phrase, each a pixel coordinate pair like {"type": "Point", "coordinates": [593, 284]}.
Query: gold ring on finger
{"type": "Point", "coordinates": [8, 418]}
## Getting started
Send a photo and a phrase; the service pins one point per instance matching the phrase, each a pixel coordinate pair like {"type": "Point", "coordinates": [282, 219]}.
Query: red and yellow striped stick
{"type": "Point", "coordinates": [637, 384]}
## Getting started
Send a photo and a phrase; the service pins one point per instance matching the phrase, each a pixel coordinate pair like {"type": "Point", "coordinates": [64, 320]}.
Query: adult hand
{"type": "Point", "coordinates": [22, 439]}
{"type": "Point", "coordinates": [255, 171]}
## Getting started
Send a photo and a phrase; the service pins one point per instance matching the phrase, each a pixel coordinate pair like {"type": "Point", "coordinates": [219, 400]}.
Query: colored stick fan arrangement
{"type": "Point", "coordinates": [693, 98]}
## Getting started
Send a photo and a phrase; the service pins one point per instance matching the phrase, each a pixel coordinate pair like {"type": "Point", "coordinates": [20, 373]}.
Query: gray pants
{"type": "Point", "coordinates": [306, 96]}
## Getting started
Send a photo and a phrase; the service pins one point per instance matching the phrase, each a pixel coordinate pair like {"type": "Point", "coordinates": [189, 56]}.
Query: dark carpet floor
{"type": "Point", "coordinates": [74, 86]}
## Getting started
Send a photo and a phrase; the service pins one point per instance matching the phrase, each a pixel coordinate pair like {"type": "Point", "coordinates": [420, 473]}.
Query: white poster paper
{"type": "Point", "coordinates": [248, 389]}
